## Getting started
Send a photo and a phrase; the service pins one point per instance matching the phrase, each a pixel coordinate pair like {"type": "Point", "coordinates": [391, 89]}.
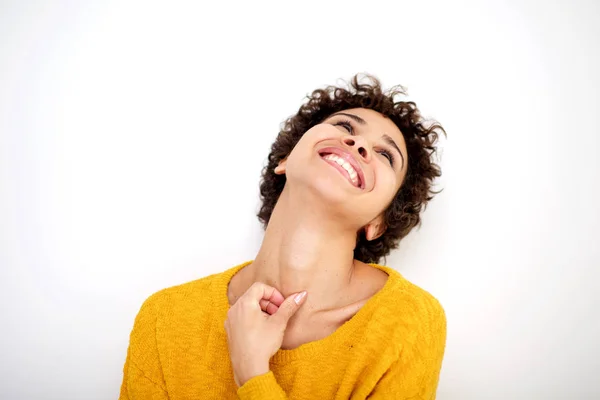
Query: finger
{"type": "Point", "coordinates": [268, 307]}
{"type": "Point", "coordinates": [259, 291]}
{"type": "Point", "coordinates": [289, 307]}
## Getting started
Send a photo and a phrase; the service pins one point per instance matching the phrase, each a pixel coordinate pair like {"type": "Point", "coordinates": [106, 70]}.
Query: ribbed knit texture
{"type": "Point", "coordinates": [391, 349]}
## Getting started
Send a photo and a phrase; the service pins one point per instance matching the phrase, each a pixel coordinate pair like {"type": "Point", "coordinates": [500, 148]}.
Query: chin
{"type": "Point", "coordinates": [332, 191]}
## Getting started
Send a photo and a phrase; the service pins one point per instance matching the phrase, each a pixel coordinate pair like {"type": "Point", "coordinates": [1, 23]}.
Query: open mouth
{"type": "Point", "coordinates": [343, 166]}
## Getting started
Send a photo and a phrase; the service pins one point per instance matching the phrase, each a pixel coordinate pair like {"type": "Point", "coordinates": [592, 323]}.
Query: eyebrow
{"type": "Point", "coordinates": [354, 117]}
{"type": "Point", "coordinates": [391, 142]}
{"type": "Point", "coordinates": [387, 138]}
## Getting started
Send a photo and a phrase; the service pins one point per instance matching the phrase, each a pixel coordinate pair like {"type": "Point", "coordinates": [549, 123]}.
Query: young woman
{"type": "Point", "coordinates": [313, 316]}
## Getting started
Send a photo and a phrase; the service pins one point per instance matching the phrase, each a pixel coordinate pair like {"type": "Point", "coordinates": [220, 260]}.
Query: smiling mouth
{"type": "Point", "coordinates": [344, 167]}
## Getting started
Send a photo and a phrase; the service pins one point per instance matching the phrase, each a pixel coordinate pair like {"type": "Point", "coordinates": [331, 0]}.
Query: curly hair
{"type": "Point", "coordinates": [420, 135]}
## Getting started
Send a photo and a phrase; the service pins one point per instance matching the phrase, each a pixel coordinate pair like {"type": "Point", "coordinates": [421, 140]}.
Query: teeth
{"type": "Point", "coordinates": [344, 164]}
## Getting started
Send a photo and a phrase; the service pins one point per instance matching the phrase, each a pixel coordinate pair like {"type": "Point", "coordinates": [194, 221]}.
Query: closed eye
{"type": "Point", "coordinates": [388, 155]}
{"type": "Point", "coordinates": [346, 125]}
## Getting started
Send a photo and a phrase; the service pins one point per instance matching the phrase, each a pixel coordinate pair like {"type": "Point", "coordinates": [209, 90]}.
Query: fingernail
{"type": "Point", "coordinates": [299, 297]}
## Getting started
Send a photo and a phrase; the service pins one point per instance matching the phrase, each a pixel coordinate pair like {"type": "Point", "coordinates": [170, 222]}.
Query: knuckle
{"type": "Point", "coordinates": [246, 304]}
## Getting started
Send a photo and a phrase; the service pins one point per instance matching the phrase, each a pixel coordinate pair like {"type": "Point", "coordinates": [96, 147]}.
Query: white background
{"type": "Point", "coordinates": [132, 135]}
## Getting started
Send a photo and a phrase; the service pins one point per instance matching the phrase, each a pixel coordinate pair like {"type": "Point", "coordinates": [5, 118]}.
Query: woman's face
{"type": "Point", "coordinates": [356, 160]}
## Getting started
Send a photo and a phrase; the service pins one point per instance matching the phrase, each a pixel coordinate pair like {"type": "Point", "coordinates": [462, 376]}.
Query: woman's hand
{"type": "Point", "coordinates": [255, 326]}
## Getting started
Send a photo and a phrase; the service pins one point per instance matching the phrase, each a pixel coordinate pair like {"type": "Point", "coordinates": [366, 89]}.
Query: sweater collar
{"type": "Point", "coordinates": [344, 334]}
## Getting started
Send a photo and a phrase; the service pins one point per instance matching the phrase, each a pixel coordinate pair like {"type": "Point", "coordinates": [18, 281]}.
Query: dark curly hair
{"type": "Point", "coordinates": [420, 136]}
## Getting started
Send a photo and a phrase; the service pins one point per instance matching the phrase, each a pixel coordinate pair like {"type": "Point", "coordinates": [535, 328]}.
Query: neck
{"type": "Point", "coordinates": [304, 248]}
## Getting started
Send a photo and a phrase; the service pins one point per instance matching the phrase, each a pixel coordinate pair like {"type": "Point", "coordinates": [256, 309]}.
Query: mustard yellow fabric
{"type": "Point", "coordinates": [391, 349]}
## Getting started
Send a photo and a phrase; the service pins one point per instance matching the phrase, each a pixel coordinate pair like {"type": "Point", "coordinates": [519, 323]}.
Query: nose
{"type": "Point", "coordinates": [359, 144]}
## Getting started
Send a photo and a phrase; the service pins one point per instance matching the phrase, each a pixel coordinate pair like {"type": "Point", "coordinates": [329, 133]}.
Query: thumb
{"type": "Point", "coordinates": [289, 307]}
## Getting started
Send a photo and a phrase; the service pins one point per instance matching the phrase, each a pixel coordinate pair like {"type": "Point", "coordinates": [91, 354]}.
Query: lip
{"type": "Point", "coordinates": [347, 157]}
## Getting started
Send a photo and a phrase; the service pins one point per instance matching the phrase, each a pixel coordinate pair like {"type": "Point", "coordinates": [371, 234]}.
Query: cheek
{"type": "Point", "coordinates": [307, 143]}
{"type": "Point", "coordinates": [322, 132]}
{"type": "Point", "coordinates": [387, 183]}
{"type": "Point", "coordinates": [309, 139]}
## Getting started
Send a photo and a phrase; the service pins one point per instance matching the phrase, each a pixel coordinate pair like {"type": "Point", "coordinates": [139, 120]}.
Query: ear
{"type": "Point", "coordinates": [375, 228]}
{"type": "Point", "coordinates": [280, 168]}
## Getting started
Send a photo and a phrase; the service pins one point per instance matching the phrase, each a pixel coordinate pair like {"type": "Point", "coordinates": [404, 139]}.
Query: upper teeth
{"type": "Point", "coordinates": [344, 164]}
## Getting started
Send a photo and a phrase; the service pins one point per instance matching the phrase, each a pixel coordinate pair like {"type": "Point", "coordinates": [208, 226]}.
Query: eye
{"type": "Point", "coordinates": [346, 125]}
{"type": "Point", "coordinates": [388, 155]}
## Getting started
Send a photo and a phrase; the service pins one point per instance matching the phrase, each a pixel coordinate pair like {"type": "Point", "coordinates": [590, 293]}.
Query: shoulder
{"type": "Point", "coordinates": [427, 308]}
{"type": "Point", "coordinates": [186, 299]}
{"type": "Point", "coordinates": [180, 292]}
{"type": "Point", "coordinates": [413, 310]}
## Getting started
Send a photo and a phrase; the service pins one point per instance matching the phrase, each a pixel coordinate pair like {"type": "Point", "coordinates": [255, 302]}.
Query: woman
{"type": "Point", "coordinates": [312, 316]}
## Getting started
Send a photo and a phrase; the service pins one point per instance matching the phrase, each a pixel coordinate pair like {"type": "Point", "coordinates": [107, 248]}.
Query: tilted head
{"type": "Point", "coordinates": [367, 153]}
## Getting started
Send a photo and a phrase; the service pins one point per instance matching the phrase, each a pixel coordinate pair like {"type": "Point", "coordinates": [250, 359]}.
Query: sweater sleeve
{"type": "Point", "coordinates": [262, 387]}
{"type": "Point", "coordinates": [415, 375]}
{"type": "Point", "coordinates": [142, 373]}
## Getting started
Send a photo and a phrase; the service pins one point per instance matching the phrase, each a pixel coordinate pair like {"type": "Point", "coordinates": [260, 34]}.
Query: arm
{"type": "Point", "coordinates": [415, 375]}
{"type": "Point", "coordinates": [142, 375]}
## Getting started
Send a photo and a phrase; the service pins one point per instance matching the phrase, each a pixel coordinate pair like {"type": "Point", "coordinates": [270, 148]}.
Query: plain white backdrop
{"type": "Point", "coordinates": [133, 133]}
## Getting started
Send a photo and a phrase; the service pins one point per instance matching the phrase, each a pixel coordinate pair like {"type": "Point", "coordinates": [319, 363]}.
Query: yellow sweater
{"type": "Point", "coordinates": [391, 349]}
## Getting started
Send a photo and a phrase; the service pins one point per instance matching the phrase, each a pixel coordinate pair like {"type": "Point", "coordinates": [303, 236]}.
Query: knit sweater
{"type": "Point", "coordinates": [391, 349]}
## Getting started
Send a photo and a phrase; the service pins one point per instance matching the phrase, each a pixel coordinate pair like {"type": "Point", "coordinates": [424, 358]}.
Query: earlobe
{"type": "Point", "coordinates": [374, 230]}
{"type": "Point", "coordinates": [280, 168]}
